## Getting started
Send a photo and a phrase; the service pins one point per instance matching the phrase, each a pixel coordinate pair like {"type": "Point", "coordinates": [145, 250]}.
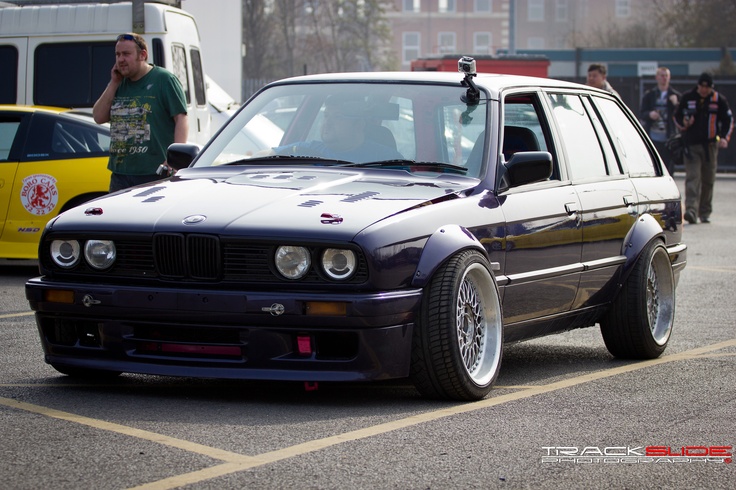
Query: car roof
{"type": "Point", "coordinates": [80, 115]}
{"type": "Point", "coordinates": [492, 82]}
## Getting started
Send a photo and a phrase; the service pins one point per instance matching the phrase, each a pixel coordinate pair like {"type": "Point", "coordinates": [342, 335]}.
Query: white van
{"type": "Point", "coordinates": [61, 54]}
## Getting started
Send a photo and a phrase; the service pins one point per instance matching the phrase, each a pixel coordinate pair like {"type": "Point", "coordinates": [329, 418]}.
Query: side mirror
{"type": "Point", "coordinates": [525, 168]}
{"type": "Point", "coordinates": [181, 155]}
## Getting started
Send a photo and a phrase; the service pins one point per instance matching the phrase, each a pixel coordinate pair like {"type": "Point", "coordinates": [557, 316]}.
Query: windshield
{"type": "Point", "coordinates": [416, 127]}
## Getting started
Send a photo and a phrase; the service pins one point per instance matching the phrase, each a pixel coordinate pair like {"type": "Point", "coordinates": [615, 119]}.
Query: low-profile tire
{"type": "Point", "coordinates": [639, 323]}
{"type": "Point", "coordinates": [85, 373]}
{"type": "Point", "coordinates": [458, 337]}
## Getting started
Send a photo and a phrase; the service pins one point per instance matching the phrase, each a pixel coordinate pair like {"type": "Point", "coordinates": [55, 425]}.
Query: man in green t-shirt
{"type": "Point", "coordinates": [147, 111]}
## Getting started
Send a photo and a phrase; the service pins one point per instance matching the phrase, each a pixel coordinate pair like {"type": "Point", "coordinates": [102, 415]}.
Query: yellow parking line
{"type": "Point", "coordinates": [13, 315]}
{"type": "Point", "coordinates": [234, 462]}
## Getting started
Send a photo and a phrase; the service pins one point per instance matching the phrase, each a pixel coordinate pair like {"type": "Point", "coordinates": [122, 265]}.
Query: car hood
{"type": "Point", "coordinates": [264, 202]}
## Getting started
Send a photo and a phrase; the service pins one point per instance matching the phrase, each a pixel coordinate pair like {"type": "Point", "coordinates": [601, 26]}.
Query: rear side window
{"type": "Point", "coordinates": [9, 70]}
{"type": "Point", "coordinates": [62, 138]}
{"type": "Point", "coordinates": [71, 74]}
{"type": "Point", "coordinates": [632, 150]}
{"type": "Point", "coordinates": [584, 153]}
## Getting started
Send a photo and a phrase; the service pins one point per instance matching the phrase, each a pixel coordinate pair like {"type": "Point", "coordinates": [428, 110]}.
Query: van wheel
{"type": "Point", "coordinates": [458, 337]}
{"type": "Point", "coordinates": [639, 324]}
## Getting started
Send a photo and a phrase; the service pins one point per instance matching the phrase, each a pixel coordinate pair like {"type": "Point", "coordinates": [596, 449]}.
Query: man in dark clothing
{"type": "Point", "coordinates": [706, 122]}
{"type": "Point", "coordinates": [657, 108]}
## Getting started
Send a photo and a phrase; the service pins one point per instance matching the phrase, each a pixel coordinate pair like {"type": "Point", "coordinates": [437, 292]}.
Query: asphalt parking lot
{"type": "Point", "coordinates": [563, 413]}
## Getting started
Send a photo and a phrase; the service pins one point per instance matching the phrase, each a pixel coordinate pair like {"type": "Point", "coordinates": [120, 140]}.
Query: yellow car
{"type": "Point", "coordinates": [51, 159]}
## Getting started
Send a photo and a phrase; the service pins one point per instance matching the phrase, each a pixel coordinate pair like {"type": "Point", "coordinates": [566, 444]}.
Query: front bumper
{"type": "Point", "coordinates": [225, 334]}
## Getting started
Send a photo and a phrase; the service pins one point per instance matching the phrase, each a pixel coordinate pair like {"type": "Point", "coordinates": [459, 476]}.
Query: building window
{"type": "Point", "coordinates": [535, 10]}
{"type": "Point", "coordinates": [535, 43]}
{"type": "Point", "coordinates": [483, 6]}
{"type": "Point", "coordinates": [623, 8]}
{"type": "Point", "coordinates": [561, 11]}
{"type": "Point", "coordinates": [410, 46]}
{"type": "Point", "coordinates": [412, 5]}
{"type": "Point", "coordinates": [446, 6]}
{"type": "Point", "coordinates": [446, 42]}
{"type": "Point", "coordinates": [482, 42]}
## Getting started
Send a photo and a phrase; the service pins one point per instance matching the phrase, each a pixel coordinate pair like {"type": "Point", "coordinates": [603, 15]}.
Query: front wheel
{"type": "Point", "coordinates": [639, 324]}
{"type": "Point", "coordinates": [458, 337]}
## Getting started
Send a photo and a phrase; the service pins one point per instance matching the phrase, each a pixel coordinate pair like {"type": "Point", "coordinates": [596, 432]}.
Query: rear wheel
{"type": "Point", "coordinates": [458, 338]}
{"type": "Point", "coordinates": [639, 324]}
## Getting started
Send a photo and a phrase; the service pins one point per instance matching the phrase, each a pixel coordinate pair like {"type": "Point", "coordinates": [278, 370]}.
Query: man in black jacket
{"type": "Point", "coordinates": [657, 108]}
{"type": "Point", "coordinates": [706, 122]}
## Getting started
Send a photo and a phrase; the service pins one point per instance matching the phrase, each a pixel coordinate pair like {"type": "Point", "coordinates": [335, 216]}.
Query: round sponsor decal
{"type": "Point", "coordinates": [39, 194]}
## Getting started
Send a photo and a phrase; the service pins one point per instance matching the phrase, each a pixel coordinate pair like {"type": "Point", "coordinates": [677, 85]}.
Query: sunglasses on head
{"type": "Point", "coordinates": [129, 37]}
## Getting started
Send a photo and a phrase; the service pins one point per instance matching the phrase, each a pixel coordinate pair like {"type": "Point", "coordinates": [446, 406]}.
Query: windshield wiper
{"type": "Point", "coordinates": [401, 164]}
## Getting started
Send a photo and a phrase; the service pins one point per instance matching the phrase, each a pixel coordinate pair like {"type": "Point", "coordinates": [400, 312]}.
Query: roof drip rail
{"type": "Point", "coordinates": [22, 3]}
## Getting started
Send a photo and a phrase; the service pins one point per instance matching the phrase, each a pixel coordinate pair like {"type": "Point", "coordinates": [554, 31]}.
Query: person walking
{"type": "Point", "coordinates": [146, 109]}
{"type": "Point", "coordinates": [706, 122]}
{"type": "Point", "coordinates": [597, 74]}
{"type": "Point", "coordinates": [657, 108]}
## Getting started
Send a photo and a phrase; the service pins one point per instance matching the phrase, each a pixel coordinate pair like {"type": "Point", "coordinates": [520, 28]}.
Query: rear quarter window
{"type": "Point", "coordinates": [632, 150]}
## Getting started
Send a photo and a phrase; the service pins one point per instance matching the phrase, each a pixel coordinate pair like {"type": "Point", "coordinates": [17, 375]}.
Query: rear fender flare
{"type": "Point", "coordinates": [646, 229]}
{"type": "Point", "coordinates": [441, 245]}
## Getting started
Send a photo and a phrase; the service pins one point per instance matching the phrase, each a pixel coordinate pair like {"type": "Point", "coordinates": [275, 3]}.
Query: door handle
{"type": "Point", "coordinates": [571, 208]}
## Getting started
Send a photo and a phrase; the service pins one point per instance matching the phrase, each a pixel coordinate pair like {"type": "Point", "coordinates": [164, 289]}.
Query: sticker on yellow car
{"type": "Point", "coordinates": [39, 194]}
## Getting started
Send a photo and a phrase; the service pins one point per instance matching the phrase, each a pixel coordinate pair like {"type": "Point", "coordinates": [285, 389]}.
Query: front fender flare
{"type": "Point", "coordinates": [442, 244]}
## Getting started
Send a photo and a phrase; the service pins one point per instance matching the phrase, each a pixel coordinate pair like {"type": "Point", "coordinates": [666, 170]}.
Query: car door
{"type": "Point", "coordinates": [10, 142]}
{"type": "Point", "coordinates": [607, 197]}
{"type": "Point", "coordinates": [543, 232]}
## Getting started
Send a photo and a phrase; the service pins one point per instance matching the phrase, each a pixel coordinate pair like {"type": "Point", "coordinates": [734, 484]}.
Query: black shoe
{"type": "Point", "coordinates": [690, 217]}
{"type": "Point", "coordinates": [704, 219]}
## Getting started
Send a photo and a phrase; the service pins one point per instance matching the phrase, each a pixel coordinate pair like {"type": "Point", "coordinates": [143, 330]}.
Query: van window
{"type": "Point", "coordinates": [198, 74]}
{"type": "Point", "coordinates": [71, 74]}
{"type": "Point", "coordinates": [9, 69]}
{"type": "Point", "coordinates": [180, 69]}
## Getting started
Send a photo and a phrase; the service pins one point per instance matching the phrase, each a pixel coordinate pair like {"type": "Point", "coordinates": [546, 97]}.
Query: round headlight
{"type": "Point", "coordinates": [339, 263]}
{"type": "Point", "coordinates": [65, 253]}
{"type": "Point", "coordinates": [100, 254]}
{"type": "Point", "coordinates": [292, 262]}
